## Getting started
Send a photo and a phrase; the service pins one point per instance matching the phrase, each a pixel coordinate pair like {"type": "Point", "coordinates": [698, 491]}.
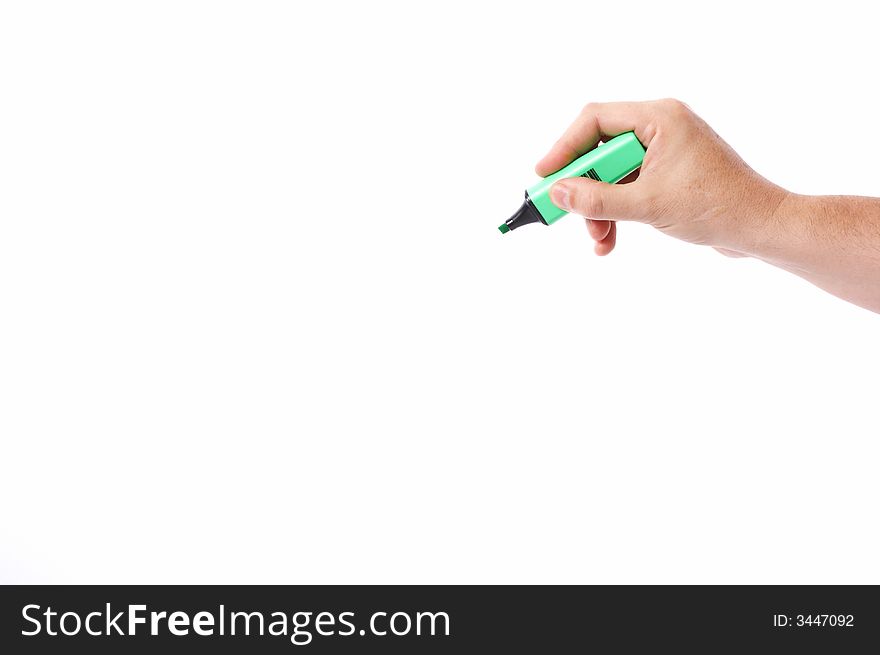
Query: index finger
{"type": "Point", "coordinates": [598, 120]}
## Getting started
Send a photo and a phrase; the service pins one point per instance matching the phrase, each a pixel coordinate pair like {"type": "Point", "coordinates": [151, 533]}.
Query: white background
{"type": "Point", "coordinates": [257, 323]}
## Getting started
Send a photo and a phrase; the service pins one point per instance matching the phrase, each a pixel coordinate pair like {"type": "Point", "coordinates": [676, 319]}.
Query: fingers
{"type": "Point", "coordinates": [598, 120]}
{"type": "Point", "coordinates": [598, 229]}
{"type": "Point", "coordinates": [600, 200]}
{"type": "Point", "coordinates": [605, 234]}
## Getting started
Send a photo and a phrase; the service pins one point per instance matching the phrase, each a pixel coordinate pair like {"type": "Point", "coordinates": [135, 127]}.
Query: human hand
{"type": "Point", "coordinates": [691, 185]}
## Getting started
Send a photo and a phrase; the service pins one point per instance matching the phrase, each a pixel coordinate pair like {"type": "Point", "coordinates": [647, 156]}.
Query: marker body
{"type": "Point", "coordinates": [610, 162]}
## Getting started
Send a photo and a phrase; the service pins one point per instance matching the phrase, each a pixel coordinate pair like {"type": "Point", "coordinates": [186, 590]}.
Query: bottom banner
{"type": "Point", "coordinates": [436, 619]}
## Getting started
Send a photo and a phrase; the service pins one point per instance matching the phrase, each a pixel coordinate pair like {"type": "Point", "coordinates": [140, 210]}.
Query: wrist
{"type": "Point", "coordinates": [765, 229]}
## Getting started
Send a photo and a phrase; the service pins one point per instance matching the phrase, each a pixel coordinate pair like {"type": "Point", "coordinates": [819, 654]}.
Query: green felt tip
{"type": "Point", "coordinates": [503, 228]}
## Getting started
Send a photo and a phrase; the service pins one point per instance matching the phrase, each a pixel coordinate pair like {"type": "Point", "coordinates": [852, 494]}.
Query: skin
{"type": "Point", "coordinates": [694, 187]}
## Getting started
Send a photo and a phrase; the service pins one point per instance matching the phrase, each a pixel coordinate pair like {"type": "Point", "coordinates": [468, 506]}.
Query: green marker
{"type": "Point", "coordinates": [610, 162]}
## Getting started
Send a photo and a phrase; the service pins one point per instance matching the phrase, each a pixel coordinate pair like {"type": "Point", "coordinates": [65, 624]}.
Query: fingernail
{"type": "Point", "coordinates": [559, 196]}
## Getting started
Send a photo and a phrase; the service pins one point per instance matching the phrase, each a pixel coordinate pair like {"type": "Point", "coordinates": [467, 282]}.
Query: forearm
{"type": "Point", "coordinates": [832, 241]}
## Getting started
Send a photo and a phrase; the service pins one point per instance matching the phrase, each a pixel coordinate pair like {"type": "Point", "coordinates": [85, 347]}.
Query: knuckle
{"type": "Point", "coordinates": [673, 106]}
{"type": "Point", "coordinates": [589, 202]}
{"type": "Point", "coordinates": [589, 109]}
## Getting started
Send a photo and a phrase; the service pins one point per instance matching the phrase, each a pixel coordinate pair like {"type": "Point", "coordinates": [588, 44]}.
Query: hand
{"type": "Point", "coordinates": [691, 185]}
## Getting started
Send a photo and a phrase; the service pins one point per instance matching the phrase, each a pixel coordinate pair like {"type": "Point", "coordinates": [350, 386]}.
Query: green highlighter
{"type": "Point", "coordinates": [610, 162]}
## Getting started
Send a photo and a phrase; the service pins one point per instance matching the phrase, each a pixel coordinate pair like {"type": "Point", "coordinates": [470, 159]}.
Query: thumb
{"type": "Point", "coordinates": [601, 200]}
